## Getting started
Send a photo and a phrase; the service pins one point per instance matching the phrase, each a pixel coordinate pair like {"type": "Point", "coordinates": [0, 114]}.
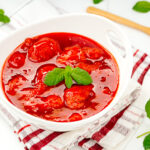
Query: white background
{"type": "Point", "coordinates": [31, 10]}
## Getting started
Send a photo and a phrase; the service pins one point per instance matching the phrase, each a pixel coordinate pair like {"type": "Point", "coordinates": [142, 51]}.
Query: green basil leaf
{"type": "Point", "coordinates": [54, 77]}
{"type": "Point", "coordinates": [147, 108]}
{"type": "Point", "coordinates": [2, 12]}
{"type": "Point", "coordinates": [146, 142]}
{"type": "Point", "coordinates": [68, 70]}
{"type": "Point", "coordinates": [3, 17]}
{"type": "Point", "coordinates": [97, 1]}
{"type": "Point", "coordinates": [6, 19]}
{"type": "Point", "coordinates": [68, 80]}
{"type": "Point", "coordinates": [142, 6]}
{"type": "Point", "coordinates": [81, 76]}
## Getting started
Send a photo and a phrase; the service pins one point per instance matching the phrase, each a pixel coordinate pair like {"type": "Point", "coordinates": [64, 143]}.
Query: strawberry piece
{"type": "Point", "coordinates": [106, 90]}
{"type": "Point", "coordinates": [27, 44]}
{"type": "Point", "coordinates": [75, 117]}
{"type": "Point", "coordinates": [14, 83]}
{"type": "Point", "coordinates": [40, 75]}
{"type": "Point", "coordinates": [43, 70]}
{"type": "Point", "coordinates": [88, 65]}
{"type": "Point", "coordinates": [70, 55]}
{"type": "Point", "coordinates": [104, 65]}
{"type": "Point", "coordinates": [78, 95]}
{"type": "Point", "coordinates": [36, 106]}
{"type": "Point", "coordinates": [17, 60]}
{"type": "Point", "coordinates": [39, 106]}
{"type": "Point", "coordinates": [92, 53]}
{"type": "Point", "coordinates": [43, 50]}
{"type": "Point", "coordinates": [28, 93]}
{"type": "Point", "coordinates": [54, 101]}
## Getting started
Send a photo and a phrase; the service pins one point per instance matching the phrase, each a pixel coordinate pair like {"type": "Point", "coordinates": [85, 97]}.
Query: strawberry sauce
{"type": "Point", "coordinates": [26, 67]}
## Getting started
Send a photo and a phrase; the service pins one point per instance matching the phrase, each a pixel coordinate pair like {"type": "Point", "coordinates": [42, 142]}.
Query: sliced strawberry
{"type": "Point", "coordinates": [36, 106]}
{"type": "Point", "coordinates": [92, 53]}
{"type": "Point", "coordinates": [106, 90]}
{"type": "Point", "coordinates": [40, 75]}
{"type": "Point", "coordinates": [75, 117]}
{"type": "Point", "coordinates": [88, 65]}
{"type": "Point", "coordinates": [70, 55]}
{"type": "Point", "coordinates": [77, 95]}
{"type": "Point", "coordinates": [43, 50]}
{"type": "Point", "coordinates": [39, 106]}
{"type": "Point", "coordinates": [28, 93]}
{"type": "Point", "coordinates": [41, 87]}
{"type": "Point", "coordinates": [14, 83]}
{"type": "Point", "coordinates": [27, 44]}
{"type": "Point", "coordinates": [43, 70]}
{"type": "Point", "coordinates": [17, 60]}
{"type": "Point", "coordinates": [54, 101]}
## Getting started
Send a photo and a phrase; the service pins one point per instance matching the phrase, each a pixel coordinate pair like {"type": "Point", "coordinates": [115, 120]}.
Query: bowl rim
{"type": "Point", "coordinates": [75, 123]}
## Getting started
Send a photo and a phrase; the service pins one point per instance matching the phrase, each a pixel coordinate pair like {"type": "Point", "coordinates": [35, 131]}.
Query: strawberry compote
{"type": "Point", "coordinates": [26, 67]}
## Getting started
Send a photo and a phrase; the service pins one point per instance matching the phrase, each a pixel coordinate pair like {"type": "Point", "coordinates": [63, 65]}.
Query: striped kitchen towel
{"type": "Point", "coordinates": [108, 132]}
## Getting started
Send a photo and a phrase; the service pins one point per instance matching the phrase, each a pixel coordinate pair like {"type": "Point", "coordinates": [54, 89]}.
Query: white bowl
{"type": "Point", "coordinates": [97, 28]}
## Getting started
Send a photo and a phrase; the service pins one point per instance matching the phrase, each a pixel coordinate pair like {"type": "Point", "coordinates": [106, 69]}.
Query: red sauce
{"type": "Point", "coordinates": [26, 67]}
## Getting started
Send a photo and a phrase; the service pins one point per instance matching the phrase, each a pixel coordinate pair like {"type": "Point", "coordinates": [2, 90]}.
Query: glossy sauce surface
{"type": "Point", "coordinates": [26, 67]}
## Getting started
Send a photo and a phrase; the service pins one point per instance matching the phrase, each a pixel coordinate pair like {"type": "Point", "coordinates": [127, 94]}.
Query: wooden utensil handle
{"type": "Point", "coordinates": [118, 19]}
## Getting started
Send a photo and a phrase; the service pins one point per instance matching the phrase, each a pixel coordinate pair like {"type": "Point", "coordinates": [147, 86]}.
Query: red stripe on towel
{"type": "Point", "coordinates": [95, 147]}
{"type": "Point", "coordinates": [26, 148]}
{"type": "Point", "coordinates": [135, 52]}
{"type": "Point", "coordinates": [141, 78]}
{"type": "Point", "coordinates": [28, 125]}
{"type": "Point", "coordinates": [104, 130]}
{"type": "Point", "coordinates": [32, 135]}
{"type": "Point", "coordinates": [137, 64]}
{"type": "Point", "coordinates": [45, 141]}
{"type": "Point", "coordinates": [82, 142]}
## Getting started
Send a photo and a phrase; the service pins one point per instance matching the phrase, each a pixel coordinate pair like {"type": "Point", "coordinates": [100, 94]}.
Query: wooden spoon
{"type": "Point", "coordinates": [118, 19]}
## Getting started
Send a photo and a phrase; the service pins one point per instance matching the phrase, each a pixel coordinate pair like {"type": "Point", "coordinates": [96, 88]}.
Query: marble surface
{"type": "Point", "coordinates": [29, 11]}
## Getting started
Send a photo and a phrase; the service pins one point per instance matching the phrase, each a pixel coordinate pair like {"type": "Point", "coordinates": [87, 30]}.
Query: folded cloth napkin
{"type": "Point", "coordinates": [106, 133]}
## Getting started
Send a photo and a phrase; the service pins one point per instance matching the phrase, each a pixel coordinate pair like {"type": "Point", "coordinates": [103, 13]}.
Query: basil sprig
{"type": "Point", "coordinates": [146, 142]}
{"type": "Point", "coordinates": [142, 6]}
{"type": "Point", "coordinates": [3, 17]}
{"type": "Point", "coordinates": [68, 74]}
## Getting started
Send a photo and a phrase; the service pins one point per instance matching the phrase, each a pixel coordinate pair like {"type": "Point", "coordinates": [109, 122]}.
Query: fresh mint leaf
{"type": "Point", "coordinates": [54, 77]}
{"type": "Point", "coordinates": [81, 76]}
{"type": "Point", "coordinates": [58, 74]}
{"type": "Point", "coordinates": [142, 6]}
{"type": "Point", "coordinates": [6, 19]}
{"type": "Point", "coordinates": [147, 108]}
{"type": "Point", "coordinates": [68, 70]}
{"type": "Point", "coordinates": [146, 142]}
{"type": "Point", "coordinates": [68, 79]}
{"type": "Point", "coordinates": [3, 17]}
{"type": "Point", "coordinates": [2, 12]}
{"type": "Point", "coordinates": [97, 1]}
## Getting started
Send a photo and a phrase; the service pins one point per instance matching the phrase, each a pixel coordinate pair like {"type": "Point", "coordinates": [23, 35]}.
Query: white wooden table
{"type": "Point", "coordinates": [32, 10]}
